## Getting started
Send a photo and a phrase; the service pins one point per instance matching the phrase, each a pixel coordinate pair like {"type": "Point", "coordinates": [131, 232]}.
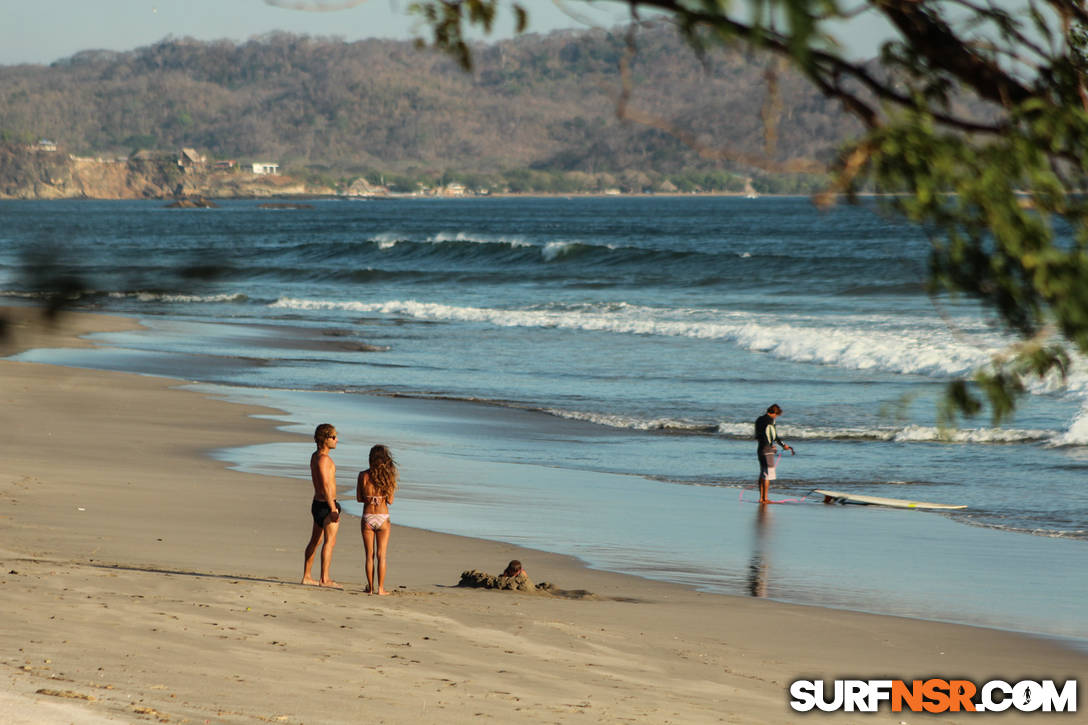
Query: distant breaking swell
{"type": "Point", "coordinates": [515, 256]}
{"type": "Point", "coordinates": [744, 431]}
{"type": "Point", "coordinates": [847, 345]}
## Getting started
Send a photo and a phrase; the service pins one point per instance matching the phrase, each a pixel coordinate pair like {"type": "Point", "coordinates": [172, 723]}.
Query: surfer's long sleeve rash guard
{"type": "Point", "coordinates": [766, 433]}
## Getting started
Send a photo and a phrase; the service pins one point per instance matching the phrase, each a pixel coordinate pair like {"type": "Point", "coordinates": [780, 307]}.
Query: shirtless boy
{"type": "Point", "coordinates": [324, 509]}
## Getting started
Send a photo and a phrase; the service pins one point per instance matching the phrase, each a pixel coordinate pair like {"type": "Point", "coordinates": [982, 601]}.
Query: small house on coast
{"type": "Point", "coordinates": [190, 160]}
{"type": "Point", "coordinates": [264, 167]}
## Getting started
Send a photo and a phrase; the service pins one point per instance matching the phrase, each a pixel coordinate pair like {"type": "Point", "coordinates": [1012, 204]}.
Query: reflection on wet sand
{"type": "Point", "coordinates": [758, 564]}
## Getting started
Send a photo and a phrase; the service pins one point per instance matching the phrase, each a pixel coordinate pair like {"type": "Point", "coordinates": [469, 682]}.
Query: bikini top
{"type": "Point", "coordinates": [374, 500]}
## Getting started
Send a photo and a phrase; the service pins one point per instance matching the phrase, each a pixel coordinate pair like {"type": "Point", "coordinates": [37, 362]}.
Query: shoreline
{"type": "Point", "coordinates": [142, 579]}
{"type": "Point", "coordinates": [718, 542]}
{"type": "Point", "coordinates": [314, 196]}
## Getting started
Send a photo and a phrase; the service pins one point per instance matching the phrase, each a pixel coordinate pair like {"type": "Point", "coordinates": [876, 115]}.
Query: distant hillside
{"type": "Point", "coordinates": [34, 173]}
{"type": "Point", "coordinates": [537, 102]}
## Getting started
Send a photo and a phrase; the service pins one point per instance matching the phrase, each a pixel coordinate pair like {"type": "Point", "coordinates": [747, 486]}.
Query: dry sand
{"type": "Point", "coordinates": [144, 581]}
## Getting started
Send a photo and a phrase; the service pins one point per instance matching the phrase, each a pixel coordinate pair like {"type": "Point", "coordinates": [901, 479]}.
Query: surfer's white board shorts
{"type": "Point", "coordinates": [767, 459]}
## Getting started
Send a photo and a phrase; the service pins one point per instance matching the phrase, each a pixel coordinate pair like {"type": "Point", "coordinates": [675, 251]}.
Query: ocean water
{"type": "Point", "coordinates": [626, 343]}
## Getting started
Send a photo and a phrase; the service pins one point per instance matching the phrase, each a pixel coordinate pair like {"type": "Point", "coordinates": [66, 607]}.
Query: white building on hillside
{"type": "Point", "coordinates": [261, 167]}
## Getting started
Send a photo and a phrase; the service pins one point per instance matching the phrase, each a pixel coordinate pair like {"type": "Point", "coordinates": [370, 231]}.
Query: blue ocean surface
{"type": "Point", "coordinates": [627, 345]}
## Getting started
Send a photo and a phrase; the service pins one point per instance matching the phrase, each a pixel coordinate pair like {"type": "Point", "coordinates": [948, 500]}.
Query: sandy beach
{"type": "Point", "coordinates": [145, 581]}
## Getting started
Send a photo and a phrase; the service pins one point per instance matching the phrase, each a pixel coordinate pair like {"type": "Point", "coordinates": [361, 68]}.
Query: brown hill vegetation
{"type": "Point", "coordinates": [326, 107]}
{"type": "Point", "coordinates": [30, 173]}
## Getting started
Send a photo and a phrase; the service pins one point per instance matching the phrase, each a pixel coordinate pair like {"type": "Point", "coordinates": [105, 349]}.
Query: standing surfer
{"type": "Point", "coordinates": [767, 436]}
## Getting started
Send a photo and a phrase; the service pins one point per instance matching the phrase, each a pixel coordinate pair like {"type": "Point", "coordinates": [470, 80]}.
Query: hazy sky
{"type": "Point", "coordinates": [41, 31]}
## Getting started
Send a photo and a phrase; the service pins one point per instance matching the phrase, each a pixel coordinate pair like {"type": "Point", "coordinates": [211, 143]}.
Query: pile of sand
{"type": "Point", "coordinates": [519, 583]}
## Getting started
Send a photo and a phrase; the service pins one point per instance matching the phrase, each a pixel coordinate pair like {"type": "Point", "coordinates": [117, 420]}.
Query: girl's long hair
{"type": "Point", "coordinates": [383, 470]}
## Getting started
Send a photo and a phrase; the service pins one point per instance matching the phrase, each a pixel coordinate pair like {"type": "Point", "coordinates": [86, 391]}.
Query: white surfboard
{"type": "Point", "coordinates": [902, 503]}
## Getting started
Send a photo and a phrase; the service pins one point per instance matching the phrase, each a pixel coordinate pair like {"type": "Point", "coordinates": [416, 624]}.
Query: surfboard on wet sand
{"type": "Point", "coordinates": [902, 503]}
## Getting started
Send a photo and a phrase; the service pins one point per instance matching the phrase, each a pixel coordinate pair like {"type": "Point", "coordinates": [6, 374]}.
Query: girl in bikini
{"type": "Point", "coordinates": [375, 489]}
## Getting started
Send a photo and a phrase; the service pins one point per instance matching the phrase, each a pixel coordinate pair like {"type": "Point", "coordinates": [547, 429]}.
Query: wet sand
{"type": "Point", "coordinates": [143, 580]}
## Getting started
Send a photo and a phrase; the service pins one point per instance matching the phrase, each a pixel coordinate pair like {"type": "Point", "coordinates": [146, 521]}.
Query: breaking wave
{"type": "Point", "coordinates": [907, 351]}
{"type": "Point", "coordinates": [744, 431]}
{"type": "Point", "coordinates": [179, 298]}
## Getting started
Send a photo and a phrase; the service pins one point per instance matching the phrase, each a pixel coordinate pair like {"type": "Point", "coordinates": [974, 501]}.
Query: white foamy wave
{"type": "Point", "coordinates": [914, 433]}
{"type": "Point", "coordinates": [1077, 382]}
{"type": "Point", "coordinates": [554, 250]}
{"type": "Point", "coordinates": [907, 434]}
{"type": "Point", "coordinates": [737, 430]}
{"type": "Point", "coordinates": [1077, 434]}
{"type": "Point", "coordinates": [746, 430]}
{"type": "Point", "coordinates": [902, 351]}
{"type": "Point", "coordinates": [931, 351]}
{"type": "Point", "coordinates": [557, 250]}
{"type": "Point", "coordinates": [625, 421]}
{"type": "Point", "coordinates": [290, 303]}
{"type": "Point", "coordinates": [178, 298]}
{"type": "Point", "coordinates": [462, 237]}
{"type": "Point", "coordinates": [841, 434]}
{"type": "Point", "coordinates": [1048, 533]}
{"type": "Point", "coordinates": [42, 294]}
{"type": "Point", "coordinates": [387, 240]}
